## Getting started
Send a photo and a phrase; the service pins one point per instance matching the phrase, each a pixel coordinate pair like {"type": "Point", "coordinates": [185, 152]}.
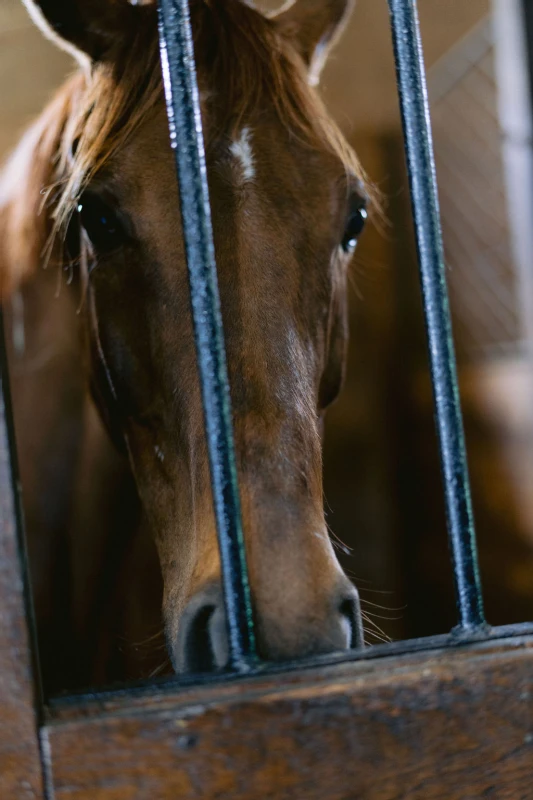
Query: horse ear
{"type": "Point", "coordinates": [81, 26]}
{"type": "Point", "coordinates": [315, 26]}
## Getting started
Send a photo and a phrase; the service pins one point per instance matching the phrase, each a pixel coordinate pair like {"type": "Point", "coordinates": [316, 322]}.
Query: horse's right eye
{"type": "Point", "coordinates": [101, 224]}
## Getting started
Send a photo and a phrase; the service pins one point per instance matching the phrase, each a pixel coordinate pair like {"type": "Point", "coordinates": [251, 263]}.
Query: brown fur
{"type": "Point", "coordinates": [121, 91]}
{"type": "Point", "coordinates": [282, 285]}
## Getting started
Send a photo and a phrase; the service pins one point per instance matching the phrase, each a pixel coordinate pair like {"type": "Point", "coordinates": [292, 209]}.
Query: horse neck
{"type": "Point", "coordinates": [41, 324]}
{"type": "Point", "coordinates": [65, 456]}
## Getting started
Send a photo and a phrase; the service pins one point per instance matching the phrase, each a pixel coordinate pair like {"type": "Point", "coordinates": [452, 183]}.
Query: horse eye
{"type": "Point", "coordinates": [101, 224]}
{"type": "Point", "coordinates": [354, 226]}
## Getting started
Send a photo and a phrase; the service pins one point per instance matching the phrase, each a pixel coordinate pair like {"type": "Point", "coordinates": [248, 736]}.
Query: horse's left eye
{"type": "Point", "coordinates": [354, 225]}
{"type": "Point", "coordinates": [101, 223]}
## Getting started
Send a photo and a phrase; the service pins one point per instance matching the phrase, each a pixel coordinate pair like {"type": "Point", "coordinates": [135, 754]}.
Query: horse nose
{"type": "Point", "coordinates": [320, 622]}
{"type": "Point", "coordinates": [351, 617]}
{"type": "Point", "coordinates": [202, 644]}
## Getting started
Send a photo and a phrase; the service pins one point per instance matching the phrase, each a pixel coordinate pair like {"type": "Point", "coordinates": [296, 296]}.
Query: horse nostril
{"type": "Point", "coordinates": [201, 644]}
{"type": "Point", "coordinates": [350, 609]}
{"type": "Point", "coordinates": [199, 655]}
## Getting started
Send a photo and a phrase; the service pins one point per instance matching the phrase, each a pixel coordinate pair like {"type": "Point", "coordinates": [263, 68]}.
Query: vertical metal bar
{"type": "Point", "coordinates": [183, 109]}
{"type": "Point", "coordinates": [422, 177]}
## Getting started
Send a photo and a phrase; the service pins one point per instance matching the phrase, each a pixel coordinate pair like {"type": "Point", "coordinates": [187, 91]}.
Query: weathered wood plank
{"type": "Point", "coordinates": [441, 725]}
{"type": "Point", "coordinates": [20, 768]}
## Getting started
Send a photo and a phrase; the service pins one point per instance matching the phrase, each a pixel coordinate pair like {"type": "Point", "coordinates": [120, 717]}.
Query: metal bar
{"type": "Point", "coordinates": [183, 109]}
{"type": "Point", "coordinates": [422, 178]}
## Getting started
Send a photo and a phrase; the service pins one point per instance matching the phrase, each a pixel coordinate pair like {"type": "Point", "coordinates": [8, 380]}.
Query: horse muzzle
{"type": "Point", "coordinates": [201, 644]}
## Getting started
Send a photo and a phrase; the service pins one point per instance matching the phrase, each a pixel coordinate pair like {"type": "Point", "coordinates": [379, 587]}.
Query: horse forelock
{"type": "Point", "coordinates": [242, 60]}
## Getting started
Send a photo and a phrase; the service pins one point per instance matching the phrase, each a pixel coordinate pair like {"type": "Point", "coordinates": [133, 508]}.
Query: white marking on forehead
{"type": "Point", "coordinates": [241, 149]}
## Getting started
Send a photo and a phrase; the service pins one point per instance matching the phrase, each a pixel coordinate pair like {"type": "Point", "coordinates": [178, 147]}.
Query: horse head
{"type": "Point", "coordinates": [288, 205]}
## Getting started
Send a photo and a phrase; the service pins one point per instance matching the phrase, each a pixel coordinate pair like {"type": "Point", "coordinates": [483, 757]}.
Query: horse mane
{"type": "Point", "coordinates": [247, 60]}
{"type": "Point", "coordinates": [25, 182]}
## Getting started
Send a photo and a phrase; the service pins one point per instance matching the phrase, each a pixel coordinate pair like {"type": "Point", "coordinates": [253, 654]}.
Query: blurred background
{"type": "Point", "coordinates": [382, 480]}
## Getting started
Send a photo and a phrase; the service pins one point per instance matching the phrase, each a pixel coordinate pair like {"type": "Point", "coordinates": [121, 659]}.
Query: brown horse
{"type": "Point", "coordinates": [108, 409]}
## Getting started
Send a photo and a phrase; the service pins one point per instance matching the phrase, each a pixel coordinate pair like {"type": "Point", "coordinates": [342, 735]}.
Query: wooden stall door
{"type": "Point", "coordinates": [446, 724]}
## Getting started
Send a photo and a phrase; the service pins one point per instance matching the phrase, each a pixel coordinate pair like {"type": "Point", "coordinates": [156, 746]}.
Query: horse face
{"type": "Point", "coordinates": [286, 216]}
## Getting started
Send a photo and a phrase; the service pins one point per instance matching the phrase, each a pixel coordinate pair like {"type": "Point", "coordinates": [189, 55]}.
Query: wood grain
{"type": "Point", "coordinates": [20, 769]}
{"type": "Point", "coordinates": [441, 725]}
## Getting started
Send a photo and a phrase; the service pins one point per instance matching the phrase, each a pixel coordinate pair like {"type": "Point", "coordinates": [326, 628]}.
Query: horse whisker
{"type": "Point", "coordinates": [376, 636]}
{"type": "Point", "coordinates": [159, 669]}
{"type": "Point", "coordinates": [382, 608]}
{"type": "Point", "coordinates": [375, 625]}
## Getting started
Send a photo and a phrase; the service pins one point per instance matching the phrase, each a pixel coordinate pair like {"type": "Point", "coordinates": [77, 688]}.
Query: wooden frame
{"type": "Point", "coordinates": [448, 723]}
{"type": "Point", "coordinates": [20, 694]}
